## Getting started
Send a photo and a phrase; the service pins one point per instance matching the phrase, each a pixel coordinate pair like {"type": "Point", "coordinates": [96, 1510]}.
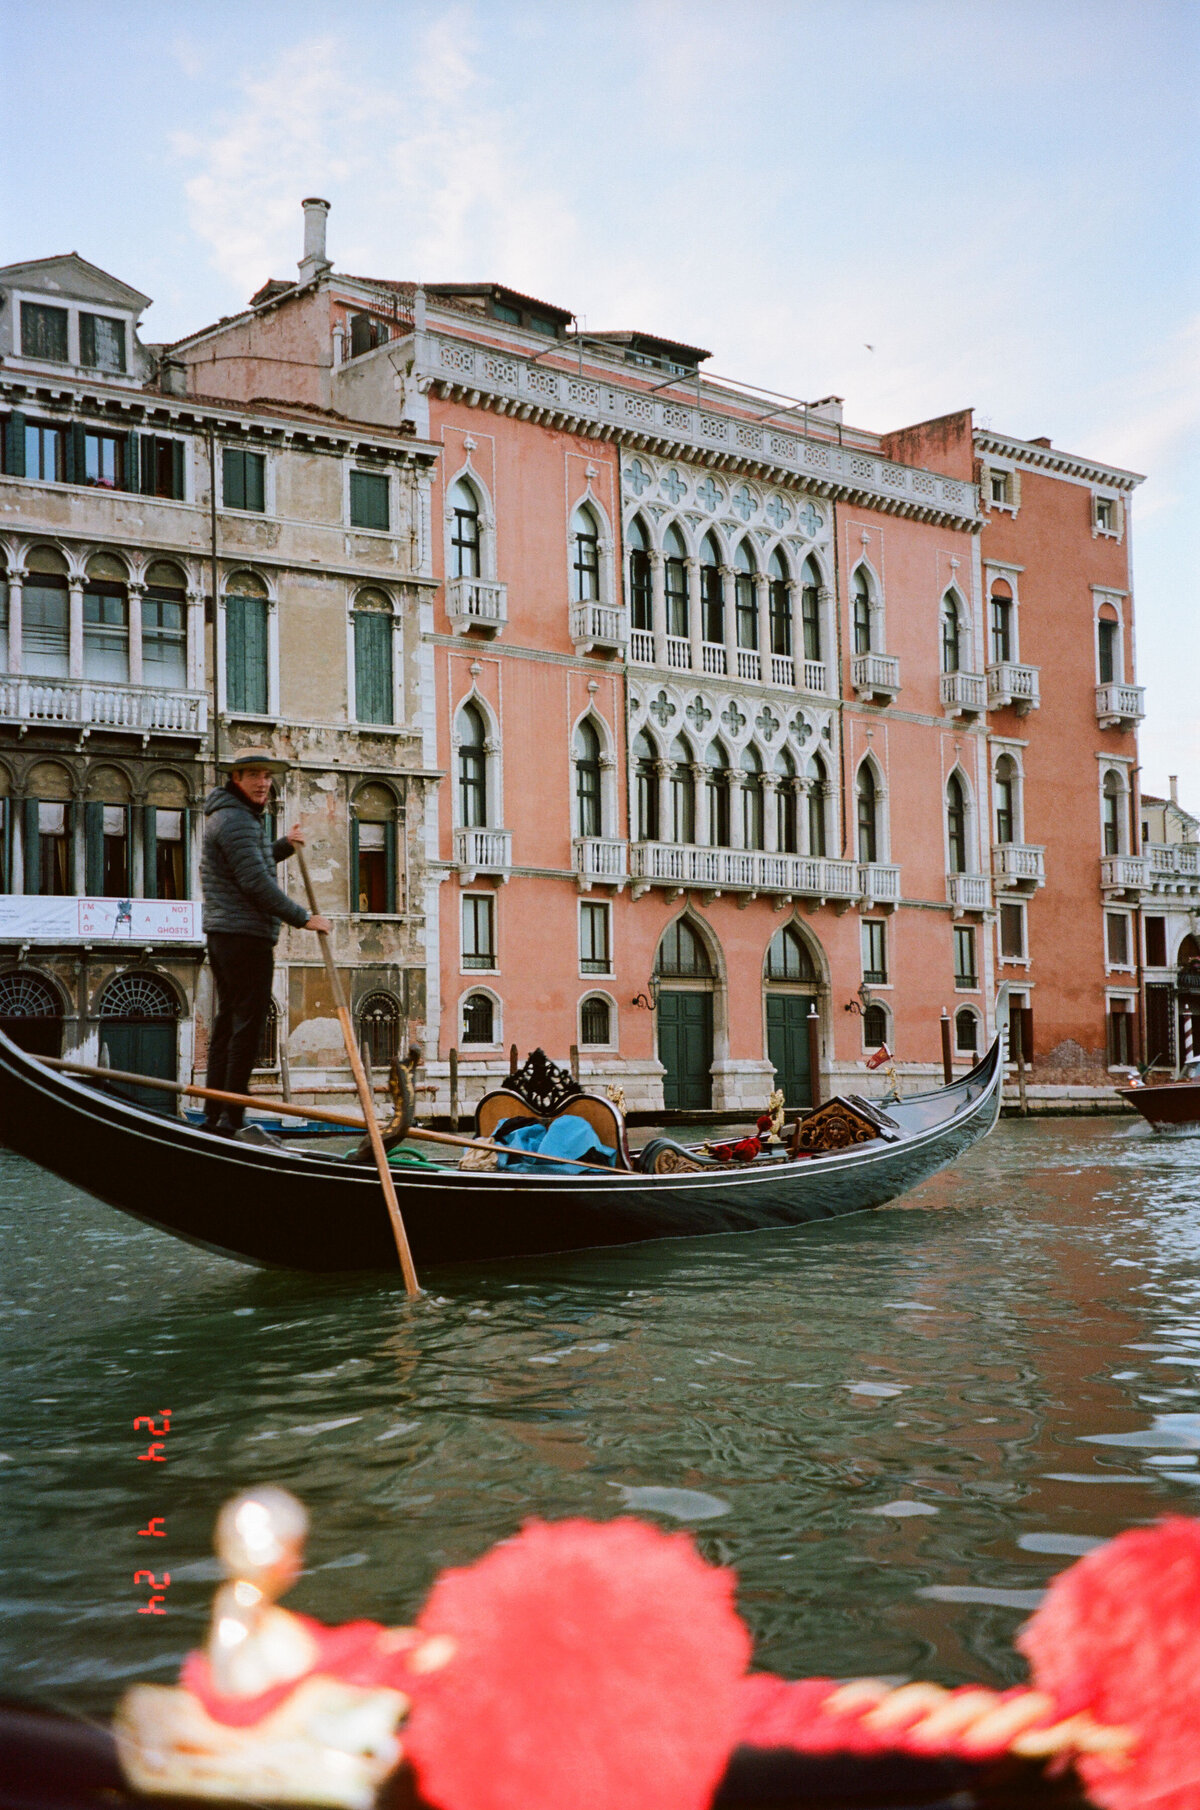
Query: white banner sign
{"type": "Point", "coordinates": [72, 920]}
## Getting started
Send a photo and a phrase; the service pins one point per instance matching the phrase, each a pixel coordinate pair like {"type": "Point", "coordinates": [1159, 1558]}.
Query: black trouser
{"type": "Point", "coordinates": [242, 967]}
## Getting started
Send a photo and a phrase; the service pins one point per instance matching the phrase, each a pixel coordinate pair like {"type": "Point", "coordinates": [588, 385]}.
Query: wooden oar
{"type": "Point", "coordinates": [286, 1109]}
{"type": "Point", "coordinates": [364, 1089]}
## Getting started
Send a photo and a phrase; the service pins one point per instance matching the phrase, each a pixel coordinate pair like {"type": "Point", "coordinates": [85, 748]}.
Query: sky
{"type": "Point", "coordinates": [919, 205]}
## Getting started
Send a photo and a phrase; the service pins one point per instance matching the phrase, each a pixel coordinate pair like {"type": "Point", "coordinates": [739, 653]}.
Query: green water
{"type": "Point", "coordinates": [896, 1427]}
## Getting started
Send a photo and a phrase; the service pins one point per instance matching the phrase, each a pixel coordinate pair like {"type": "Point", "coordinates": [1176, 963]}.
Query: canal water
{"type": "Point", "coordinates": [897, 1427]}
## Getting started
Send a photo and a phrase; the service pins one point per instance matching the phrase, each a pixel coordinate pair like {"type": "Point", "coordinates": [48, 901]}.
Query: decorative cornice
{"type": "Point", "coordinates": [1049, 458]}
{"type": "Point", "coordinates": [602, 408]}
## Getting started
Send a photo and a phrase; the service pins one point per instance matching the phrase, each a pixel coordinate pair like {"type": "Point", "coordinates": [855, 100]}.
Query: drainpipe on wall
{"type": "Point", "coordinates": [212, 522]}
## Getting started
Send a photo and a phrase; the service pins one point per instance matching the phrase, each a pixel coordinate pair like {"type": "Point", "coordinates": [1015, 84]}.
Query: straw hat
{"type": "Point", "coordinates": [254, 757]}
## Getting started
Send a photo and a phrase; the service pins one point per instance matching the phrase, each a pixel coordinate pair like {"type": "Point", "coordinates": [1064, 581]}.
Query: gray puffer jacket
{"type": "Point", "coordinates": [237, 872]}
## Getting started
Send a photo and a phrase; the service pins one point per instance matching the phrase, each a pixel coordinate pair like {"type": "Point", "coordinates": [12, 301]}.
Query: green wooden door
{"type": "Point", "coordinates": [787, 1045]}
{"type": "Point", "coordinates": [685, 1049]}
{"type": "Point", "coordinates": [143, 1048]}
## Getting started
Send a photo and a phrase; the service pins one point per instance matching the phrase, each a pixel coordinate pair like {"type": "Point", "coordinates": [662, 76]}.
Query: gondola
{"type": "Point", "coordinates": [288, 1209]}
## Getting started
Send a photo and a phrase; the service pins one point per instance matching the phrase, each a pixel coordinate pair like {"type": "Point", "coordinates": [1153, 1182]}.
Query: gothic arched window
{"type": "Point", "coordinates": [1007, 780]}
{"type": "Point", "coordinates": [681, 953]}
{"type": "Point", "coordinates": [956, 824]}
{"type": "Point", "coordinates": [682, 793]}
{"type": "Point", "coordinates": [585, 542]}
{"type": "Point", "coordinates": [788, 957]}
{"type": "Point", "coordinates": [712, 592]}
{"type": "Point", "coordinates": [747, 602]}
{"type": "Point", "coordinates": [641, 602]}
{"type": "Point", "coordinates": [810, 610]}
{"type": "Point", "coordinates": [675, 583]}
{"type": "Point", "coordinates": [951, 634]}
{"type": "Point", "coordinates": [466, 553]}
{"type": "Point", "coordinates": [861, 593]}
{"type": "Point", "coordinates": [472, 768]}
{"type": "Point", "coordinates": [781, 605]}
{"type": "Point", "coordinates": [717, 788]}
{"type": "Point", "coordinates": [866, 793]}
{"type": "Point", "coordinates": [646, 787]}
{"type": "Point", "coordinates": [752, 800]}
{"type": "Point", "coordinates": [588, 802]}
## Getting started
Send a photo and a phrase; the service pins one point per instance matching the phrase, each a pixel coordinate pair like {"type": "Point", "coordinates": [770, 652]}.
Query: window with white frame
{"type": "Point", "coordinates": [1106, 515]}
{"type": "Point", "coordinates": [866, 792]}
{"type": "Point", "coordinates": [595, 1022]}
{"type": "Point", "coordinates": [957, 840]}
{"type": "Point", "coordinates": [676, 596]}
{"type": "Point", "coordinates": [369, 507]}
{"type": "Point", "coordinates": [966, 972]}
{"type": "Point", "coordinates": [243, 479]}
{"type": "Point", "coordinates": [864, 627]}
{"type": "Point", "coordinates": [478, 930]}
{"type": "Point", "coordinates": [1118, 939]}
{"type": "Point", "coordinates": [641, 605]}
{"type": "Point", "coordinates": [480, 1020]}
{"type": "Point", "coordinates": [1012, 932]}
{"type": "Point", "coordinates": [589, 802]}
{"type": "Point", "coordinates": [874, 952]}
{"type": "Point", "coordinates": [875, 1026]}
{"type": "Point", "coordinates": [966, 1032]}
{"type": "Point", "coordinates": [585, 555]}
{"type": "Point", "coordinates": [1008, 799]}
{"type": "Point", "coordinates": [952, 638]}
{"type": "Point", "coordinates": [1002, 623]}
{"type": "Point", "coordinates": [466, 543]}
{"type": "Point", "coordinates": [1000, 487]}
{"type": "Point", "coordinates": [374, 680]}
{"type": "Point", "coordinates": [247, 646]}
{"type": "Point", "coordinates": [1108, 646]}
{"type": "Point", "coordinates": [472, 768]}
{"type": "Point", "coordinates": [595, 938]}
{"type": "Point", "coordinates": [1114, 805]}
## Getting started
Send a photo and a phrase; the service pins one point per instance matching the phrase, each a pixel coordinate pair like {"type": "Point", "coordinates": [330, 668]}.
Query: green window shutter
{"type": "Point", "coordinates": [185, 831]}
{"type": "Point", "coordinates": [233, 477]}
{"type": "Point", "coordinates": [14, 445]}
{"type": "Point", "coordinates": [372, 667]}
{"type": "Point", "coordinates": [87, 339]}
{"type": "Point", "coordinates": [76, 463]}
{"type": "Point", "coordinates": [177, 470]}
{"type": "Point", "coordinates": [93, 850]}
{"type": "Point", "coordinates": [132, 462]}
{"type": "Point", "coordinates": [149, 851]}
{"type": "Point", "coordinates": [368, 500]}
{"type": "Point", "coordinates": [147, 464]}
{"type": "Point", "coordinates": [353, 861]}
{"type": "Point", "coordinates": [69, 824]}
{"type": "Point", "coordinates": [255, 481]}
{"type": "Point", "coordinates": [246, 654]}
{"type": "Point", "coordinates": [32, 846]}
{"type": "Point", "coordinates": [389, 847]}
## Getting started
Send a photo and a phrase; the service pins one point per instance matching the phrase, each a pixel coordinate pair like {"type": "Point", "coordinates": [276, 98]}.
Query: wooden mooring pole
{"type": "Point", "coordinates": [454, 1090]}
{"type": "Point", "coordinates": [947, 1055]}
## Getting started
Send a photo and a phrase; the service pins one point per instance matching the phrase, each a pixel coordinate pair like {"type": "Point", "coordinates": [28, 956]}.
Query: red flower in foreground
{"type": "Point", "coordinates": [594, 1668]}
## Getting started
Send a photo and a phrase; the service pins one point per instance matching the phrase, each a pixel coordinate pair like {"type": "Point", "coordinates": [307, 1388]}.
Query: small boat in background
{"type": "Point", "coordinates": [1168, 1103]}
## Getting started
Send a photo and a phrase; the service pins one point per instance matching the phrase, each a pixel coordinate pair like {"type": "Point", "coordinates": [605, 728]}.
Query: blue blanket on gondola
{"type": "Point", "coordinates": [569, 1137]}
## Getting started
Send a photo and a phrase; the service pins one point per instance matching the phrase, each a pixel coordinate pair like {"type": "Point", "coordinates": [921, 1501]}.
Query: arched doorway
{"type": "Point", "coordinates": [139, 1028]}
{"type": "Point", "coordinates": [31, 1013]}
{"type": "Point", "coordinates": [379, 1028]}
{"type": "Point", "coordinates": [791, 982]}
{"type": "Point", "coordinates": [685, 1018]}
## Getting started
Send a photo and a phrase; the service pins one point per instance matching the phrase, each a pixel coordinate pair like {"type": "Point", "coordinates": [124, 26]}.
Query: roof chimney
{"type": "Point", "coordinates": [314, 260]}
{"type": "Point", "coordinates": [1173, 782]}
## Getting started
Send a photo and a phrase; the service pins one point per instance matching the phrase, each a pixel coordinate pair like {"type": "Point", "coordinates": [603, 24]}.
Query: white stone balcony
{"type": "Point", "coordinates": [679, 653]}
{"type": "Point", "coordinates": [1013, 687]}
{"type": "Point", "coordinates": [1123, 876]}
{"type": "Point", "coordinates": [683, 865]}
{"type": "Point", "coordinates": [876, 676]}
{"type": "Point", "coordinates": [598, 628]}
{"type": "Point", "coordinates": [599, 859]}
{"type": "Point", "coordinates": [963, 693]}
{"type": "Point", "coordinates": [641, 646]}
{"type": "Point", "coordinates": [749, 664]}
{"type": "Point", "coordinates": [476, 603]}
{"type": "Point", "coordinates": [712, 657]}
{"type": "Point", "coordinates": [879, 883]}
{"type": "Point", "coordinates": [968, 892]}
{"type": "Point", "coordinates": [783, 671]}
{"type": "Point", "coordinates": [483, 852]}
{"type": "Point", "coordinates": [1018, 867]}
{"type": "Point", "coordinates": [1120, 706]}
{"type": "Point", "coordinates": [85, 705]}
{"type": "Point", "coordinates": [1174, 867]}
{"type": "Point", "coordinates": [816, 678]}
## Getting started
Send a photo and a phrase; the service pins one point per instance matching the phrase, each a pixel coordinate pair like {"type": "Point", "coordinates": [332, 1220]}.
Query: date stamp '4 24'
{"type": "Point", "coordinates": [156, 1527]}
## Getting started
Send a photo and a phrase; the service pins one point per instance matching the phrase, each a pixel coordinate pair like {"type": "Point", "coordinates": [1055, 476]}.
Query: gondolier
{"type": "Point", "coordinates": [243, 909]}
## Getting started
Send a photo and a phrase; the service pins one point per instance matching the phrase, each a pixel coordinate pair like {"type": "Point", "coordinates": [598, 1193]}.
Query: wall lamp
{"type": "Point", "coordinates": [649, 999]}
{"type": "Point", "coordinates": [863, 1003]}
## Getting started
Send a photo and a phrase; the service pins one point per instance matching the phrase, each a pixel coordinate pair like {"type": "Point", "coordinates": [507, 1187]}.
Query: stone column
{"type": "Point", "coordinates": [695, 614]}
{"type": "Point", "coordinates": [737, 838]}
{"type": "Point", "coordinates": [700, 789]}
{"type": "Point", "coordinates": [770, 786]}
{"type": "Point", "coordinates": [135, 594]}
{"type": "Point", "coordinates": [729, 617]}
{"type": "Point", "coordinates": [802, 788]}
{"type": "Point", "coordinates": [662, 775]}
{"type": "Point", "coordinates": [828, 640]}
{"type": "Point", "coordinates": [75, 627]}
{"type": "Point", "coordinates": [16, 592]}
{"type": "Point", "coordinates": [658, 608]}
{"type": "Point", "coordinates": [762, 598]}
{"type": "Point", "coordinates": [797, 630]}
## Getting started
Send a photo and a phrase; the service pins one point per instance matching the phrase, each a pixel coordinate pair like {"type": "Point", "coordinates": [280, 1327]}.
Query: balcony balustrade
{"type": "Point", "coordinates": [1018, 867]}
{"type": "Point", "coordinates": [963, 693]}
{"type": "Point", "coordinates": [1174, 867]}
{"type": "Point", "coordinates": [1124, 875]}
{"type": "Point", "coordinates": [879, 883]}
{"type": "Point", "coordinates": [968, 892]}
{"type": "Point", "coordinates": [783, 670]}
{"type": "Point", "coordinates": [815, 678]}
{"type": "Point", "coordinates": [80, 704]}
{"type": "Point", "coordinates": [876, 676]}
{"type": "Point", "coordinates": [1013, 687]}
{"type": "Point", "coordinates": [599, 858]}
{"type": "Point", "coordinates": [712, 658]}
{"type": "Point", "coordinates": [1120, 706]}
{"type": "Point", "coordinates": [598, 628]}
{"type": "Point", "coordinates": [679, 653]}
{"type": "Point", "coordinates": [641, 646]}
{"type": "Point", "coordinates": [476, 603]}
{"type": "Point", "coordinates": [483, 852]}
{"type": "Point", "coordinates": [749, 664]}
{"type": "Point", "coordinates": [682, 865]}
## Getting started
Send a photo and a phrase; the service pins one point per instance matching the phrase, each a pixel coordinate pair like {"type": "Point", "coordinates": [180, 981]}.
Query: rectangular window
{"type": "Point", "coordinates": [1156, 942]}
{"type": "Point", "coordinates": [45, 453]}
{"type": "Point", "coordinates": [712, 596]}
{"type": "Point", "coordinates": [1012, 932]}
{"type": "Point", "coordinates": [45, 638]}
{"type": "Point", "coordinates": [376, 864]}
{"type": "Point", "coordinates": [1116, 938]}
{"type": "Point", "coordinates": [43, 332]}
{"type": "Point", "coordinates": [594, 955]}
{"type": "Point", "coordinates": [1106, 638]}
{"type": "Point", "coordinates": [1001, 631]}
{"type": "Point", "coordinates": [106, 636]}
{"type": "Point", "coordinates": [162, 467]}
{"type": "Point", "coordinates": [1001, 487]}
{"type": "Point", "coordinates": [965, 974]}
{"type": "Point", "coordinates": [874, 952]}
{"type": "Point", "coordinates": [502, 312]}
{"type": "Point", "coordinates": [1120, 1037]}
{"type": "Point", "coordinates": [170, 855]}
{"type": "Point", "coordinates": [103, 461]}
{"type": "Point", "coordinates": [1106, 513]}
{"type": "Point", "coordinates": [115, 875]}
{"type": "Point", "coordinates": [369, 500]}
{"type": "Point", "coordinates": [243, 479]}
{"type": "Point", "coordinates": [373, 667]}
{"type": "Point", "coordinates": [101, 342]}
{"type": "Point", "coordinates": [810, 612]}
{"type": "Point", "coordinates": [164, 642]}
{"type": "Point", "coordinates": [54, 850]}
{"type": "Point", "coordinates": [246, 687]}
{"type": "Point", "coordinates": [478, 931]}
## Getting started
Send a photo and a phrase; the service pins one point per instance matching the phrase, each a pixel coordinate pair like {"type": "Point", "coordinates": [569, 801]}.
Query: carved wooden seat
{"type": "Point", "coordinates": [541, 1091]}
